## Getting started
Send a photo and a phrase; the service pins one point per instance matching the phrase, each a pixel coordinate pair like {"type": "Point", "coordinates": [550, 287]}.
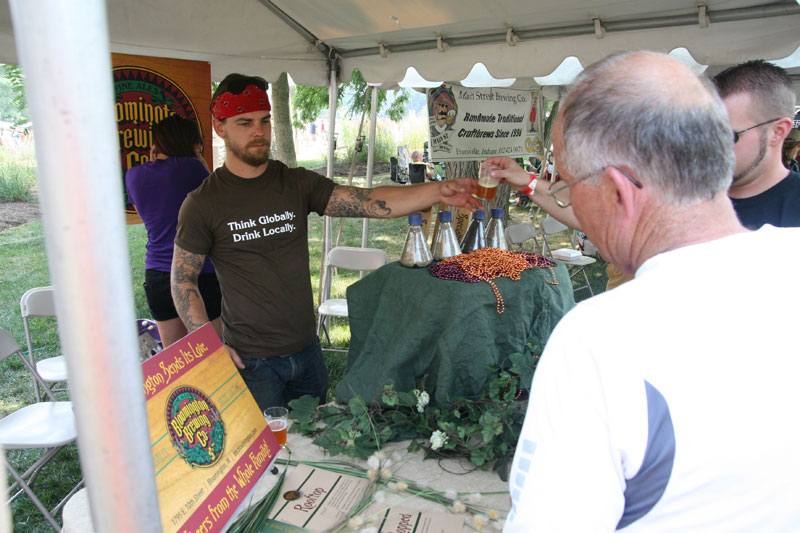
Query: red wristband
{"type": "Point", "coordinates": [531, 186]}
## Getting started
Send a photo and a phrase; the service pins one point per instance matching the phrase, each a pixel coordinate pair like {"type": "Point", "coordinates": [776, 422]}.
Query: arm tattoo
{"type": "Point", "coordinates": [186, 268]}
{"type": "Point", "coordinates": [356, 202]}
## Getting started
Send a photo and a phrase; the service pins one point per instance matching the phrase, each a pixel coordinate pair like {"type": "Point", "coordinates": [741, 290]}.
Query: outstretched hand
{"type": "Point", "coordinates": [508, 171]}
{"type": "Point", "coordinates": [458, 192]}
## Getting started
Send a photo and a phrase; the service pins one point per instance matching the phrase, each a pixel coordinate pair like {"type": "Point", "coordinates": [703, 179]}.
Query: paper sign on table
{"type": "Point", "coordinates": [400, 520]}
{"type": "Point", "coordinates": [210, 441]}
{"type": "Point", "coordinates": [325, 498]}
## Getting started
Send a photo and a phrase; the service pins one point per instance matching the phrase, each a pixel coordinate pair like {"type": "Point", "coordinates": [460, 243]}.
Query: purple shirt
{"type": "Point", "coordinates": [157, 189]}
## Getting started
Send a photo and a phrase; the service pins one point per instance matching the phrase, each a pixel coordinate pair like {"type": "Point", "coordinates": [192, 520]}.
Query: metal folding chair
{"type": "Point", "coordinates": [40, 302]}
{"type": "Point", "coordinates": [519, 233]}
{"type": "Point", "coordinates": [347, 258]}
{"type": "Point", "coordinates": [46, 425]}
{"type": "Point", "coordinates": [549, 226]}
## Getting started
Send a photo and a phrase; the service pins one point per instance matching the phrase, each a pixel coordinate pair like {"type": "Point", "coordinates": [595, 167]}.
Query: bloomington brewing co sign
{"type": "Point", "coordinates": [142, 98]}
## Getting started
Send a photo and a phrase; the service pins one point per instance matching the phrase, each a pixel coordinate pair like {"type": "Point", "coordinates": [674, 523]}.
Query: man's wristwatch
{"type": "Point", "coordinates": [531, 186]}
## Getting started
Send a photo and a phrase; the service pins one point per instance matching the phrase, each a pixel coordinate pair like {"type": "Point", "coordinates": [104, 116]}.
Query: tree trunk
{"type": "Point", "coordinates": [282, 135]}
{"type": "Point", "coordinates": [461, 215]}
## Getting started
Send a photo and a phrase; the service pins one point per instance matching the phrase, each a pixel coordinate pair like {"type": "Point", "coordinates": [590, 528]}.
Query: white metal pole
{"type": "Point", "coordinates": [373, 119]}
{"type": "Point", "coordinates": [64, 52]}
{"type": "Point", "coordinates": [333, 97]}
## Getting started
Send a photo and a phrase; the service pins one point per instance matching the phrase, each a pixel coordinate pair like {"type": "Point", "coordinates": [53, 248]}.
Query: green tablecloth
{"type": "Point", "coordinates": [406, 324]}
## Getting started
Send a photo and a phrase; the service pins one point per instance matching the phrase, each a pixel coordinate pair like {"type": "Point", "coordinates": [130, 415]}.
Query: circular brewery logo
{"type": "Point", "coordinates": [195, 426]}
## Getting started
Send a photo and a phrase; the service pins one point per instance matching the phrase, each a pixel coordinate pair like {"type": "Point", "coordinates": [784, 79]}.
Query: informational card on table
{"type": "Point", "coordinates": [210, 441]}
{"type": "Point", "coordinates": [399, 520]}
{"type": "Point", "coordinates": [314, 499]}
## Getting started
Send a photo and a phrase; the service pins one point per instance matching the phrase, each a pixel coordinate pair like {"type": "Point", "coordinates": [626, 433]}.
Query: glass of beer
{"type": "Point", "coordinates": [487, 185]}
{"type": "Point", "coordinates": [278, 421]}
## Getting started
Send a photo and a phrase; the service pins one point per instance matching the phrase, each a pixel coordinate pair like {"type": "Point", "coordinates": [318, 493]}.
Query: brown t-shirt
{"type": "Point", "coordinates": [255, 231]}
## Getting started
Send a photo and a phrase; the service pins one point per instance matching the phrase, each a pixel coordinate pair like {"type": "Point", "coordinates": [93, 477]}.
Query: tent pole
{"type": "Point", "coordinates": [71, 99]}
{"type": "Point", "coordinates": [373, 118]}
{"type": "Point", "coordinates": [333, 98]}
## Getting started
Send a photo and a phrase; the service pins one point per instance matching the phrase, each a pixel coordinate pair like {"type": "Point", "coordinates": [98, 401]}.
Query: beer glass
{"type": "Point", "coordinates": [278, 421]}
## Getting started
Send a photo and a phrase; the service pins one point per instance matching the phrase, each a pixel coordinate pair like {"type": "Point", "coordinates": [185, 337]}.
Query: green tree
{"type": "Point", "coordinates": [283, 146]}
{"type": "Point", "coordinates": [13, 107]}
{"type": "Point", "coordinates": [309, 102]}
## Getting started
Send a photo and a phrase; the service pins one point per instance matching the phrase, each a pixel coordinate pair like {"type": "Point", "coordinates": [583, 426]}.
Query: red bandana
{"type": "Point", "coordinates": [229, 105]}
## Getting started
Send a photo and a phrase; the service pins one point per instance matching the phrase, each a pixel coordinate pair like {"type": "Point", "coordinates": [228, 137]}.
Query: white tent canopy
{"type": "Point", "coordinates": [442, 40]}
{"type": "Point", "coordinates": [64, 46]}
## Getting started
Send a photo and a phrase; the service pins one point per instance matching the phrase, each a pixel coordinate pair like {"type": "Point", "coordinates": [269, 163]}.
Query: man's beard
{"type": "Point", "coordinates": [762, 153]}
{"type": "Point", "coordinates": [254, 159]}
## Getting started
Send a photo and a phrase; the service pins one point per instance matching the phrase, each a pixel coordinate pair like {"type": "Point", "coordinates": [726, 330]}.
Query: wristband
{"type": "Point", "coordinates": [531, 186]}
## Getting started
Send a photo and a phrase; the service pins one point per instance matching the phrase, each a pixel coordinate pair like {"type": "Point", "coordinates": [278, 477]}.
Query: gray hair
{"type": "Point", "coordinates": [619, 114]}
{"type": "Point", "coordinates": [769, 84]}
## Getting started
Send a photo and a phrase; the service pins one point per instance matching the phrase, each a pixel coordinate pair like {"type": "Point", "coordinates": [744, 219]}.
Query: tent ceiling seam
{"type": "Point", "coordinates": [589, 28]}
{"type": "Point", "coordinates": [332, 55]}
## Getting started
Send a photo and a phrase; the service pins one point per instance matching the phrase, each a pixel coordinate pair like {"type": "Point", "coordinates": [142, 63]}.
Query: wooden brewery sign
{"type": "Point", "coordinates": [210, 441]}
{"type": "Point", "coordinates": [148, 89]}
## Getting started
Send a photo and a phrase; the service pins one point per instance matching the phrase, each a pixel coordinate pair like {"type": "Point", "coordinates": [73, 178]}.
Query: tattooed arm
{"type": "Point", "coordinates": [390, 202]}
{"type": "Point", "coordinates": [186, 267]}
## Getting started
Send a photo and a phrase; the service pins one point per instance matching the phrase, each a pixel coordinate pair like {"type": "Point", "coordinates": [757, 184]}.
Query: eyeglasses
{"type": "Point", "coordinates": [737, 133]}
{"type": "Point", "coordinates": [238, 85]}
{"type": "Point", "coordinates": [562, 203]}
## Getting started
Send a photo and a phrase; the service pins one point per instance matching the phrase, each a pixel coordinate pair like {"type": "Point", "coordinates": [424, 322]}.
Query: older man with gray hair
{"type": "Point", "coordinates": [669, 403]}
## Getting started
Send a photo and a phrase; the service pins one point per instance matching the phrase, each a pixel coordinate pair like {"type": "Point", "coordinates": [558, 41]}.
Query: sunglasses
{"type": "Point", "coordinates": [736, 134]}
{"type": "Point", "coordinates": [238, 85]}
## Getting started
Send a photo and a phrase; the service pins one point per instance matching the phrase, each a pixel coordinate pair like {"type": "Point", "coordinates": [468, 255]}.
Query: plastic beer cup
{"type": "Point", "coordinates": [278, 421]}
{"type": "Point", "coordinates": [487, 185]}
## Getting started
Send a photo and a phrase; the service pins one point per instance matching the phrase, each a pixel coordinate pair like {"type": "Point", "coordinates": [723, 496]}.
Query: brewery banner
{"type": "Point", "coordinates": [477, 123]}
{"type": "Point", "coordinates": [148, 89]}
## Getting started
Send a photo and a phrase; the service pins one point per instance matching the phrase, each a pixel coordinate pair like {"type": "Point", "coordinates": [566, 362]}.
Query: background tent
{"type": "Point", "coordinates": [64, 48]}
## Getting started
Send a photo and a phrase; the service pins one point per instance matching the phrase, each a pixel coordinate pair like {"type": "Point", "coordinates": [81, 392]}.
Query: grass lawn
{"type": "Point", "coordinates": [22, 253]}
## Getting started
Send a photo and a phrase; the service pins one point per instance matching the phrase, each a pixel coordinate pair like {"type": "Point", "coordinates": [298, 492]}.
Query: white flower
{"type": "Point", "coordinates": [498, 525]}
{"type": "Point", "coordinates": [491, 513]}
{"type": "Point", "coordinates": [479, 521]}
{"type": "Point", "coordinates": [475, 497]}
{"type": "Point", "coordinates": [385, 473]}
{"type": "Point", "coordinates": [401, 486]}
{"type": "Point", "coordinates": [373, 462]}
{"type": "Point", "coordinates": [451, 494]}
{"type": "Point", "coordinates": [438, 439]}
{"type": "Point", "coordinates": [422, 400]}
{"type": "Point", "coordinates": [372, 475]}
{"type": "Point", "coordinates": [380, 455]}
{"type": "Point", "coordinates": [355, 522]}
{"type": "Point", "coordinates": [380, 496]}
{"type": "Point", "coordinates": [458, 507]}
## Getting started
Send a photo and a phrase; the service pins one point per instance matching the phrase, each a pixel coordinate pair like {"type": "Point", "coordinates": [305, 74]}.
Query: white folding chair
{"type": "Point", "coordinates": [519, 233]}
{"type": "Point", "coordinates": [347, 258]}
{"type": "Point", "coordinates": [40, 302]}
{"type": "Point", "coordinates": [549, 226]}
{"type": "Point", "coordinates": [46, 425]}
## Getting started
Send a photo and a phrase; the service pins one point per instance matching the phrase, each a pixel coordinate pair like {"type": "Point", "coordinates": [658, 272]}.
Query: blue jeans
{"type": "Point", "coordinates": [275, 381]}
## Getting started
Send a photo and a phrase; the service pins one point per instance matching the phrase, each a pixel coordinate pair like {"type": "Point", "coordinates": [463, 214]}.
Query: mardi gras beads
{"type": "Point", "coordinates": [487, 264]}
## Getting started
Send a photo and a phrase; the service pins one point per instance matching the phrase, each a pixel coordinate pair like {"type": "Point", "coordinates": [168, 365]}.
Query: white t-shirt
{"type": "Point", "coordinates": [672, 403]}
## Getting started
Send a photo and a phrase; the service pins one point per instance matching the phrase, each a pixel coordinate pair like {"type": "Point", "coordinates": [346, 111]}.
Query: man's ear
{"type": "Point", "coordinates": [219, 127]}
{"type": "Point", "coordinates": [780, 130]}
{"type": "Point", "coordinates": [626, 192]}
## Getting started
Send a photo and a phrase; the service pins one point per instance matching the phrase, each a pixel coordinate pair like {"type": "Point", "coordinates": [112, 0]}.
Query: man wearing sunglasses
{"type": "Point", "coordinates": [668, 403]}
{"type": "Point", "coordinates": [760, 101]}
{"type": "Point", "coordinates": [250, 218]}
